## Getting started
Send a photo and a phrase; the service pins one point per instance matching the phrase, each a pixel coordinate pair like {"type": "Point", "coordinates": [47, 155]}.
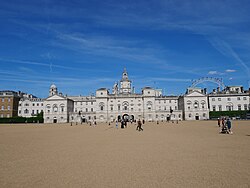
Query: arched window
{"type": "Point", "coordinates": [149, 105]}
{"type": "Point", "coordinates": [101, 105]}
{"type": "Point", "coordinates": [125, 105]}
{"type": "Point", "coordinates": [196, 104]}
{"type": "Point", "coordinates": [26, 111]}
{"type": "Point", "coordinates": [55, 108]}
{"type": "Point", "coordinates": [189, 102]}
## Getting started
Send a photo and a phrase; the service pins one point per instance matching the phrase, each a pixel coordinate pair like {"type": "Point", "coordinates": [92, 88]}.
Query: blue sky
{"type": "Point", "coordinates": [84, 45]}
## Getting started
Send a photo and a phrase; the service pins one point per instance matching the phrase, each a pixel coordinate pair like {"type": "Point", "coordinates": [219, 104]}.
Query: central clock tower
{"type": "Point", "coordinates": [125, 83]}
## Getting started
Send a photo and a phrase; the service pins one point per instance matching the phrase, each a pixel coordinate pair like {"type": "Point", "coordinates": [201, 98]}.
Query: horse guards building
{"type": "Point", "coordinates": [124, 103]}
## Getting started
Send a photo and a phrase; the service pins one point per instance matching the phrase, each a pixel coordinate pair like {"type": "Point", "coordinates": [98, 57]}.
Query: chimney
{"type": "Point", "coordinates": [205, 91]}
{"type": "Point", "coordinates": [218, 89]}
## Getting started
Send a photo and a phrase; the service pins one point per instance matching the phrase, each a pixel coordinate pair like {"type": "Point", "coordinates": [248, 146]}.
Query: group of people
{"type": "Point", "coordinates": [225, 124]}
{"type": "Point", "coordinates": [124, 124]}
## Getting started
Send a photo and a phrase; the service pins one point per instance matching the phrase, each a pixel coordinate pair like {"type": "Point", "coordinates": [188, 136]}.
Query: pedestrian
{"type": "Point", "coordinates": [139, 124]}
{"type": "Point", "coordinates": [229, 126]}
{"type": "Point", "coordinates": [143, 121]}
{"type": "Point", "coordinates": [122, 124]}
{"type": "Point", "coordinates": [219, 122]}
{"type": "Point", "coordinates": [116, 124]}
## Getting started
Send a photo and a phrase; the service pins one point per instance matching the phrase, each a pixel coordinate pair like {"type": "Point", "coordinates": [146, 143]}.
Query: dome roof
{"type": "Point", "coordinates": [53, 86]}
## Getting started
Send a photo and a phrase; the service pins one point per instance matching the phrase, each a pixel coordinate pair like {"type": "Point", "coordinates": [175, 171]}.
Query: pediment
{"type": "Point", "coordinates": [55, 97]}
{"type": "Point", "coordinates": [195, 94]}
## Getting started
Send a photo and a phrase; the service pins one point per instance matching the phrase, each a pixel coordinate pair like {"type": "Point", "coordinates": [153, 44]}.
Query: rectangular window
{"type": "Point", "coordinates": [86, 103]}
{"type": "Point", "coordinates": [219, 99]}
{"type": "Point", "coordinates": [229, 99]}
{"type": "Point", "coordinates": [244, 98]}
{"type": "Point", "coordinates": [92, 110]}
{"type": "Point", "coordinates": [42, 104]}
{"type": "Point", "coordinates": [33, 104]}
{"type": "Point", "coordinates": [37, 104]}
{"type": "Point", "coordinates": [245, 106]}
{"type": "Point", "coordinates": [8, 99]}
{"type": "Point", "coordinates": [1, 115]}
{"type": "Point", "coordinates": [86, 110]}
{"type": "Point", "coordinates": [119, 107]}
{"type": "Point", "coordinates": [220, 108]}
{"type": "Point", "coordinates": [8, 115]}
{"type": "Point", "coordinates": [238, 98]}
{"type": "Point", "coordinates": [213, 99]}
{"type": "Point", "coordinates": [2, 107]}
{"type": "Point", "coordinates": [239, 107]}
{"type": "Point", "coordinates": [37, 111]}
{"type": "Point", "coordinates": [33, 111]}
{"type": "Point", "coordinates": [8, 107]}
{"type": "Point", "coordinates": [214, 108]}
{"type": "Point", "coordinates": [2, 99]}
{"type": "Point", "coordinates": [111, 108]}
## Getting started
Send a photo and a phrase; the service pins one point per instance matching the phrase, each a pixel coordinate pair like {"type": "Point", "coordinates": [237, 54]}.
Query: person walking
{"type": "Point", "coordinates": [219, 122]}
{"type": "Point", "coordinates": [139, 128]}
{"type": "Point", "coordinates": [116, 124]}
{"type": "Point", "coordinates": [229, 126]}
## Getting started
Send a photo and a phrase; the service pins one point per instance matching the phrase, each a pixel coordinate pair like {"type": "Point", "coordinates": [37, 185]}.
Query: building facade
{"type": "Point", "coordinates": [230, 99]}
{"type": "Point", "coordinates": [9, 103]}
{"type": "Point", "coordinates": [30, 105]}
{"type": "Point", "coordinates": [124, 103]}
{"type": "Point", "coordinates": [194, 104]}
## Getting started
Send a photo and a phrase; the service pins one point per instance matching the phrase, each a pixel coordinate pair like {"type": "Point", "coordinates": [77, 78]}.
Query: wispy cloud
{"type": "Point", "coordinates": [214, 73]}
{"type": "Point", "coordinates": [230, 70]}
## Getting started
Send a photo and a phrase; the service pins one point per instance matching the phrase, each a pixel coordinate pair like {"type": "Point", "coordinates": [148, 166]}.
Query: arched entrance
{"type": "Point", "coordinates": [55, 120]}
{"type": "Point", "coordinates": [125, 117]}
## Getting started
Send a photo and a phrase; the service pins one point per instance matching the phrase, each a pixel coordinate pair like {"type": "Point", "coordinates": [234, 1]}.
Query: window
{"type": "Point", "coordinates": [2, 107]}
{"type": "Point", "coordinates": [101, 93]}
{"type": "Point", "coordinates": [119, 107]}
{"type": "Point", "coordinates": [42, 104]}
{"type": "Point", "coordinates": [37, 104]}
{"type": "Point", "coordinates": [238, 98]}
{"type": "Point", "coordinates": [62, 108]}
{"type": "Point", "coordinates": [229, 99]}
{"type": "Point", "coordinates": [86, 103]}
{"type": "Point", "coordinates": [26, 104]}
{"type": "Point", "coordinates": [189, 102]}
{"type": "Point", "coordinates": [101, 108]}
{"type": "Point", "coordinates": [220, 108]}
{"type": "Point", "coordinates": [19, 111]}
{"type": "Point", "coordinates": [111, 108]}
{"type": "Point", "coordinates": [214, 108]}
{"type": "Point", "coordinates": [33, 104]}
{"type": "Point", "coordinates": [170, 101]}
{"type": "Point", "coordinates": [213, 99]}
{"type": "Point", "coordinates": [92, 110]}
{"type": "Point", "coordinates": [125, 108]}
{"type": "Point", "coordinates": [132, 109]}
{"type": "Point", "coordinates": [245, 106]}
{"type": "Point", "coordinates": [239, 107]}
{"type": "Point", "coordinates": [2, 99]}
{"type": "Point", "coordinates": [196, 104]}
{"type": "Point", "coordinates": [26, 111]}
{"type": "Point", "coordinates": [33, 111]}
{"type": "Point", "coordinates": [204, 115]}
{"type": "Point", "coordinates": [37, 111]}
{"type": "Point", "coordinates": [219, 99]}
{"type": "Point", "coordinates": [8, 107]}
{"type": "Point", "coordinates": [55, 109]}
{"type": "Point", "coordinates": [189, 115]}
{"type": "Point", "coordinates": [1, 115]}
{"type": "Point", "coordinates": [8, 115]}
{"type": "Point", "coordinates": [8, 99]}
{"type": "Point", "coordinates": [244, 98]}
{"type": "Point", "coordinates": [86, 109]}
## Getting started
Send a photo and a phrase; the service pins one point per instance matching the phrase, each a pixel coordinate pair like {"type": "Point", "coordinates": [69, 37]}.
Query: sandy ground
{"type": "Point", "coordinates": [188, 154]}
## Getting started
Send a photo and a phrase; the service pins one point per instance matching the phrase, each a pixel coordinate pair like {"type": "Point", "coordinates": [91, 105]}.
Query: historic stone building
{"type": "Point", "coordinates": [30, 105]}
{"type": "Point", "coordinates": [124, 103]}
{"type": "Point", "coordinates": [9, 103]}
{"type": "Point", "coordinates": [230, 99]}
{"type": "Point", "coordinates": [194, 104]}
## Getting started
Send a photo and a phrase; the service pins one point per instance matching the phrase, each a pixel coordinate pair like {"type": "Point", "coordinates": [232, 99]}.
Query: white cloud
{"type": "Point", "coordinates": [214, 73]}
{"type": "Point", "coordinates": [230, 70]}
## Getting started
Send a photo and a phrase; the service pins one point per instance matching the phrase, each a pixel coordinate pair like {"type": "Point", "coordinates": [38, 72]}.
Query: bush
{"type": "Point", "coordinates": [36, 119]}
{"type": "Point", "coordinates": [218, 114]}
